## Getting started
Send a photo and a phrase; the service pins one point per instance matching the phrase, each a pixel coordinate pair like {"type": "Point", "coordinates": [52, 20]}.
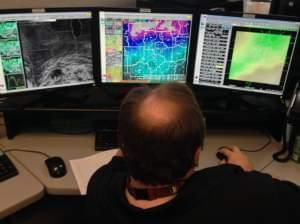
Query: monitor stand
{"type": "Point", "coordinates": [236, 109]}
{"type": "Point", "coordinates": [73, 98]}
{"type": "Point", "coordinates": [117, 92]}
{"type": "Point", "coordinates": [17, 102]}
{"type": "Point", "coordinates": [61, 98]}
{"type": "Point", "coordinates": [236, 101]}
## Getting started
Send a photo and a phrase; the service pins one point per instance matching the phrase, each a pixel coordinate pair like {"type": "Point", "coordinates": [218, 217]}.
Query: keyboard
{"type": "Point", "coordinates": [7, 168]}
{"type": "Point", "coordinates": [106, 139]}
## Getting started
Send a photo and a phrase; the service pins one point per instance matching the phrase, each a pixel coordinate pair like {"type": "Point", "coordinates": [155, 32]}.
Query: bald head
{"type": "Point", "coordinates": [157, 111]}
{"type": "Point", "coordinates": [160, 129]}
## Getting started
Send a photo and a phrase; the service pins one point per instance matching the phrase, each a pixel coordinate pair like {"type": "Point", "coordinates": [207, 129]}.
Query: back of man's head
{"type": "Point", "coordinates": [160, 130]}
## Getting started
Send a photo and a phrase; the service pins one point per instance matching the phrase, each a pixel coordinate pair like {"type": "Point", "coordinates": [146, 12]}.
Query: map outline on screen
{"type": "Point", "coordinates": [144, 48]}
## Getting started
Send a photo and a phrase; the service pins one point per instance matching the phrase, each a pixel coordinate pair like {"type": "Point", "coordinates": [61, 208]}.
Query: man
{"type": "Point", "coordinates": [152, 179]}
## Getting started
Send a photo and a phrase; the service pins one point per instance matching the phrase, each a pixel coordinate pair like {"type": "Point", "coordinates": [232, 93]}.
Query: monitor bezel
{"type": "Point", "coordinates": [192, 12]}
{"type": "Point", "coordinates": [244, 15]}
{"type": "Point", "coordinates": [54, 88]}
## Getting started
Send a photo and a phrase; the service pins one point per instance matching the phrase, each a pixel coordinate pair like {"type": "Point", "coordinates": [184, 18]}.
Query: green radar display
{"type": "Point", "coordinates": [8, 30]}
{"type": "Point", "coordinates": [12, 66]}
{"type": "Point", "coordinates": [259, 57]}
{"type": "Point", "coordinates": [10, 48]}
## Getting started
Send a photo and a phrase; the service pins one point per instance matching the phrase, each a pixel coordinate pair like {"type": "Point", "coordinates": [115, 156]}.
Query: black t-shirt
{"type": "Point", "coordinates": [219, 194]}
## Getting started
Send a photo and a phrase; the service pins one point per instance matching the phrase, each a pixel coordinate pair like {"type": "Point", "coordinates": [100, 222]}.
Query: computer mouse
{"type": "Point", "coordinates": [221, 156]}
{"type": "Point", "coordinates": [56, 166]}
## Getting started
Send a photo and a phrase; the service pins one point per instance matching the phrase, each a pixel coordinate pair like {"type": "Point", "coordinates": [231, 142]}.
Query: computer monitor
{"type": "Point", "coordinates": [45, 50]}
{"type": "Point", "coordinates": [139, 47]}
{"type": "Point", "coordinates": [244, 53]}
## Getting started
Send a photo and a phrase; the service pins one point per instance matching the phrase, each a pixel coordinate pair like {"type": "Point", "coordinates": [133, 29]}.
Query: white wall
{"type": "Point", "coordinates": [12, 4]}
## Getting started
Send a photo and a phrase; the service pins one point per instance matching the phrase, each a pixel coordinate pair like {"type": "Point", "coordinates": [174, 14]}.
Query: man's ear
{"type": "Point", "coordinates": [197, 156]}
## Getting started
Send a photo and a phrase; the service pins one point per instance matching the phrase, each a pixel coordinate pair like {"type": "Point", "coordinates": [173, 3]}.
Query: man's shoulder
{"type": "Point", "coordinates": [220, 172]}
{"type": "Point", "coordinates": [227, 171]}
{"type": "Point", "coordinates": [117, 164]}
{"type": "Point", "coordinates": [107, 173]}
{"type": "Point", "coordinates": [233, 177]}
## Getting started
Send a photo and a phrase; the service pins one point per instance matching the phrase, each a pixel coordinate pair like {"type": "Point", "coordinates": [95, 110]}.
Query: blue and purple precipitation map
{"type": "Point", "coordinates": [152, 50]}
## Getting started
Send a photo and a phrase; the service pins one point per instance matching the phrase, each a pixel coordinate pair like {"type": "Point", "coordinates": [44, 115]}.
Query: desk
{"type": "Point", "coordinates": [76, 146]}
{"type": "Point", "coordinates": [250, 140]}
{"type": "Point", "coordinates": [19, 191]}
{"type": "Point", "coordinates": [66, 146]}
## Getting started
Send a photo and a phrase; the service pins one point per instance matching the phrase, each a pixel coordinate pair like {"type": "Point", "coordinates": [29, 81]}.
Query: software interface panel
{"type": "Point", "coordinates": [247, 54]}
{"type": "Point", "coordinates": [144, 47]}
{"type": "Point", "coordinates": [45, 50]}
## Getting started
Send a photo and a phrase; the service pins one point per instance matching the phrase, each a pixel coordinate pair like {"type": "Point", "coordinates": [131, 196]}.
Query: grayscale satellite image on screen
{"type": "Point", "coordinates": [56, 53]}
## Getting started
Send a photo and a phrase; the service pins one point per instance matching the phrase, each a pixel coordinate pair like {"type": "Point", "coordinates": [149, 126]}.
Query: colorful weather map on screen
{"type": "Point", "coordinates": [259, 57]}
{"type": "Point", "coordinates": [150, 50]}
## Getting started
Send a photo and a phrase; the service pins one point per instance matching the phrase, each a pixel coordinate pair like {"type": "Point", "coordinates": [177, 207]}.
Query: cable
{"type": "Point", "coordinates": [267, 165]}
{"type": "Point", "coordinates": [260, 148]}
{"type": "Point", "coordinates": [25, 150]}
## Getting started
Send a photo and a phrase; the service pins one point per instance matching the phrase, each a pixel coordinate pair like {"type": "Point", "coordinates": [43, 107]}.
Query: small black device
{"type": "Point", "coordinates": [56, 167]}
{"type": "Point", "coordinates": [221, 156]}
{"type": "Point", "coordinates": [106, 139]}
{"type": "Point", "coordinates": [7, 168]}
{"type": "Point", "coordinates": [290, 129]}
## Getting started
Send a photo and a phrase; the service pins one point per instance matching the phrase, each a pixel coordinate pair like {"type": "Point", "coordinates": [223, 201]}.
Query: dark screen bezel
{"type": "Point", "coordinates": [245, 15]}
{"type": "Point", "coordinates": [56, 88]}
{"type": "Point", "coordinates": [139, 10]}
{"type": "Point", "coordinates": [256, 85]}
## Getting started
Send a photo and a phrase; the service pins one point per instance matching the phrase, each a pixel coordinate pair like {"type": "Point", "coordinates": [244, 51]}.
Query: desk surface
{"type": "Point", "coordinates": [66, 146]}
{"type": "Point", "coordinates": [76, 146]}
{"type": "Point", "coordinates": [19, 191]}
{"type": "Point", "coordinates": [250, 140]}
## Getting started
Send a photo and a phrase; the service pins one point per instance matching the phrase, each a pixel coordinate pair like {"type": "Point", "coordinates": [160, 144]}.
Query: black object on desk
{"type": "Point", "coordinates": [106, 139]}
{"type": "Point", "coordinates": [291, 128]}
{"type": "Point", "coordinates": [220, 155]}
{"type": "Point", "coordinates": [56, 167]}
{"type": "Point", "coordinates": [7, 168]}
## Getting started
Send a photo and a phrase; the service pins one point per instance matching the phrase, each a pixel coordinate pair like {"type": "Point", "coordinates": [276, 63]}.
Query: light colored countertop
{"type": "Point", "coordinates": [66, 146]}
{"type": "Point", "coordinates": [19, 191]}
{"type": "Point", "coordinates": [250, 140]}
{"type": "Point", "coordinates": [76, 146]}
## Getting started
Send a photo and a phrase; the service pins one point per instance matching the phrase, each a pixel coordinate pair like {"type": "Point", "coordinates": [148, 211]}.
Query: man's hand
{"type": "Point", "coordinates": [236, 157]}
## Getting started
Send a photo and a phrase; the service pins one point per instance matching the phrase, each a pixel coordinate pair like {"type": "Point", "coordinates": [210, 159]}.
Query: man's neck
{"type": "Point", "coordinates": [145, 204]}
{"type": "Point", "coordinates": [139, 184]}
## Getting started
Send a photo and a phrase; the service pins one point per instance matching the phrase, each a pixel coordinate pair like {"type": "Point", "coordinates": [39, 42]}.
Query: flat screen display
{"type": "Point", "coordinates": [244, 53]}
{"type": "Point", "coordinates": [144, 47]}
{"type": "Point", "coordinates": [45, 50]}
